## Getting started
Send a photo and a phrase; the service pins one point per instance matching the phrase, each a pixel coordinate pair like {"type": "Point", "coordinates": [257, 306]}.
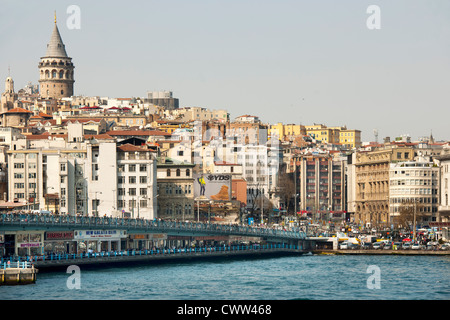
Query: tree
{"type": "Point", "coordinates": [286, 190]}
{"type": "Point", "coordinates": [407, 210]}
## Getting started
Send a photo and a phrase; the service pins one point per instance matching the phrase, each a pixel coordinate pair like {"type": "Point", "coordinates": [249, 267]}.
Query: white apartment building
{"type": "Point", "coordinates": [444, 204]}
{"type": "Point", "coordinates": [86, 177]}
{"type": "Point", "coordinates": [414, 182]}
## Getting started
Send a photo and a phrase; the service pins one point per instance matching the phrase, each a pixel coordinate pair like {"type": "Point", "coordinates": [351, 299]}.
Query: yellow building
{"type": "Point", "coordinates": [350, 138]}
{"type": "Point", "coordinates": [323, 133]}
{"type": "Point", "coordinates": [285, 130]}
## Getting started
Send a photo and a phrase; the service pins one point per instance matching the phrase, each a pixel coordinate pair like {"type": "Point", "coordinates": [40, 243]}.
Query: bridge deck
{"type": "Point", "coordinates": [57, 222]}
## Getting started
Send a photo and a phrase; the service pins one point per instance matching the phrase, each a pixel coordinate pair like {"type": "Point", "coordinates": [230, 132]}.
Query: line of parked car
{"type": "Point", "coordinates": [388, 245]}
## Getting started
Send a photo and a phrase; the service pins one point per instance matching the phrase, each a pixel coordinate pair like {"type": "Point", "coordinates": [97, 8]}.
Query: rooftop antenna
{"type": "Point", "coordinates": [375, 133]}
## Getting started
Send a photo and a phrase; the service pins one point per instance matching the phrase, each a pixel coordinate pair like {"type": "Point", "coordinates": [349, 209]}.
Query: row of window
{"type": "Point", "coordinates": [178, 173]}
{"type": "Point", "coordinates": [414, 173]}
{"type": "Point", "coordinates": [413, 182]}
{"type": "Point", "coordinates": [178, 210]}
{"type": "Point", "coordinates": [176, 189]}
{"type": "Point", "coordinates": [132, 168]}
{"type": "Point", "coordinates": [132, 179]}
{"type": "Point", "coordinates": [414, 191]}
{"type": "Point", "coordinates": [131, 191]}
{"type": "Point", "coordinates": [131, 203]}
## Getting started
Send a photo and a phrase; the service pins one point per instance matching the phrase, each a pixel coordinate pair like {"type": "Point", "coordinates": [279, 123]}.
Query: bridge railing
{"type": "Point", "coordinates": [7, 264]}
{"type": "Point", "coordinates": [157, 225]}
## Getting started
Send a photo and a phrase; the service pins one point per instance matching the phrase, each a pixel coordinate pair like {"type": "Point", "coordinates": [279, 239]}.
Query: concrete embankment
{"type": "Point", "coordinates": [382, 252]}
{"type": "Point", "coordinates": [17, 276]}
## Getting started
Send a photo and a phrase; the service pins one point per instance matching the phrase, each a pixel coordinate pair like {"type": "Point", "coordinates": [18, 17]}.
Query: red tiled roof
{"type": "Point", "coordinates": [138, 133]}
{"type": "Point", "coordinates": [18, 110]}
{"type": "Point", "coordinates": [130, 148]}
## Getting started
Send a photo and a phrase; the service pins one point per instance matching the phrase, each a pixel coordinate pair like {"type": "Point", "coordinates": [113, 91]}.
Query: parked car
{"type": "Point", "coordinates": [387, 246]}
{"type": "Point", "coordinates": [432, 245]}
{"type": "Point", "coordinates": [416, 246]}
{"type": "Point", "coordinates": [343, 246]}
{"type": "Point", "coordinates": [397, 245]}
{"type": "Point", "coordinates": [377, 245]}
{"type": "Point", "coordinates": [406, 245]}
{"type": "Point", "coordinates": [445, 246]}
{"type": "Point", "coordinates": [365, 245]}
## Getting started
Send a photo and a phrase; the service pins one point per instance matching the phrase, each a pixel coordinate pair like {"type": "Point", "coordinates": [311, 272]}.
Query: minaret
{"type": "Point", "coordinates": [56, 69]}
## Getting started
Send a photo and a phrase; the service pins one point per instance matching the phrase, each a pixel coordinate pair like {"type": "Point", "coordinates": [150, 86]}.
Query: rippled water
{"type": "Point", "coordinates": [301, 277]}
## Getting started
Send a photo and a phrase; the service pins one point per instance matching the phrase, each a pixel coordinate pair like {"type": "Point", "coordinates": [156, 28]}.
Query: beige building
{"type": "Point", "coordinates": [372, 183]}
{"type": "Point", "coordinates": [175, 185]}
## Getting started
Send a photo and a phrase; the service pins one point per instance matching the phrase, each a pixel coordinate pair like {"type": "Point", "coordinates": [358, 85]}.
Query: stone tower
{"type": "Point", "coordinates": [56, 69]}
{"type": "Point", "coordinates": [8, 97]}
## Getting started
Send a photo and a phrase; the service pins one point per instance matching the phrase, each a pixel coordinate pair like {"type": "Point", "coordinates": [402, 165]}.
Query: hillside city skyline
{"type": "Point", "coordinates": [301, 95]}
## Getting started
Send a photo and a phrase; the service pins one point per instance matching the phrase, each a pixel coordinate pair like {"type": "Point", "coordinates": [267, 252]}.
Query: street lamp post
{"type": "Point", "coordinates": [96, 202]}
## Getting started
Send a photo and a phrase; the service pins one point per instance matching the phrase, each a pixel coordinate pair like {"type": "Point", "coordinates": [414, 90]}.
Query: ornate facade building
{"type": "Point", "coordinates": [56, 70]}
{"type": "Point", "coordinates": [372, 183]}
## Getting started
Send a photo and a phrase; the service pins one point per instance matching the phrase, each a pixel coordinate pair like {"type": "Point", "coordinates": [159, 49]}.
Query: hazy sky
{"type": "Point", "coordinates": [299, 61]}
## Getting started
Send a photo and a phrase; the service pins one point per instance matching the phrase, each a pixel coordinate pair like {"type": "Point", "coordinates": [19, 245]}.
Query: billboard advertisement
{"type": "Point", "coordinates": [212, 186]}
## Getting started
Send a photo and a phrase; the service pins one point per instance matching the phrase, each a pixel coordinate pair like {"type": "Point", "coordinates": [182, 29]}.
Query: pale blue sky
{"type": "Point", "coordinates": [285, 61]}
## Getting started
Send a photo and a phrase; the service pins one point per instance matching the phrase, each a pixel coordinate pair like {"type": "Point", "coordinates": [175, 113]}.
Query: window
{"type": "Point", "coordinates": [188, 173]}
{"type": "Point", "coordinates": [121, 191]}
{"type": "Point", "coordinates": [131, 168]}
{"type": "Point", "coordinates": [143, 191]}
{"type": "Point", "coordinates": [143, 203]}
{"type": "Point", "coordinates": [132, 191]}
{"type": "Point", "coordinates": [19, 166]}
{"type": "Point", "coordinates": [143, 179]}
{"type": "Point", "coordinates": [178, 172]}
{"type": "Point", "coordinates": [143, 168]}
{"type": "Point", "coordinates": [168, 172]}
{"type": "Point", "coordinates": [132, 179]}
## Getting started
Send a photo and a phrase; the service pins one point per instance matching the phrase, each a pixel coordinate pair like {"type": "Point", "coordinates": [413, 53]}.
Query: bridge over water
{"type": "Point", "coordinates": [20, 222]}
{"type": "Point", "coordinates": [276, 241]}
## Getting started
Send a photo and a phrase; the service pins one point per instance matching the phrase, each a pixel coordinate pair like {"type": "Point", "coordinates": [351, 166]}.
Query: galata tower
{"type": "Point", "coordinates": [56, 69]}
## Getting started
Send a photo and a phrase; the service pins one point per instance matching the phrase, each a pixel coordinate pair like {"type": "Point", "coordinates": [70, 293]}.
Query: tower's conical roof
{"type": "Point", "coordinates": [56, 48]}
